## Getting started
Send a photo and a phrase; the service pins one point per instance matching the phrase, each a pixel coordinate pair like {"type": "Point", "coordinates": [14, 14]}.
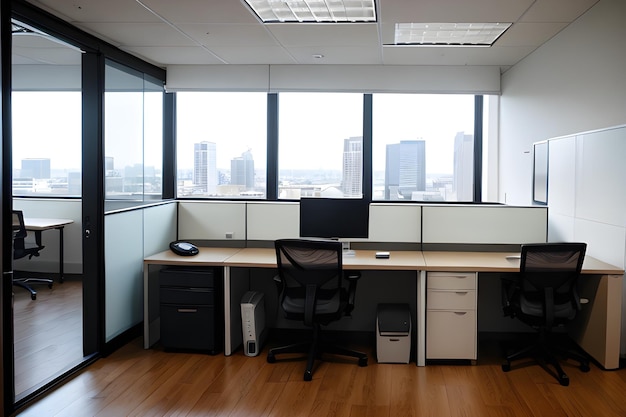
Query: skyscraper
{"type": "Point", "coordinates": [352, 181]}
{"type": "Point", "coordinates": [38, 168]}
{"type": "Point", "coordinates": [205, 167]}
{"type": "Point", "coordinates": [242, 171]}
{"type": "Point", "coordinates": [405, 169]}
{"type": "Point", "coordinates": [464, 167]}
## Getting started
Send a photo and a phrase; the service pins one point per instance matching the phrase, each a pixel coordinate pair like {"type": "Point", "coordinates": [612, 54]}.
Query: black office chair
{"type": "Point", "coordinates": [544, 296]}
{"type": "Point", "coordinates": [311, 290]}
{"type": "Point", "coordinates": [21, 250]}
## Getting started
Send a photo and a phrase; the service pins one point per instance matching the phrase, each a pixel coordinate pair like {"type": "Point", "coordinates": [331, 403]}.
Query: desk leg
{"type": "Point", "coordinates": [228, 348]}
{"type": "Point", "coordinates": [421, 318]}
{"type": "Point", "coordinates": [234, 288]}
{"type": "Point", "coordinates": [61, 261]}
{"type": "Point", "coordinates": [146, 309]}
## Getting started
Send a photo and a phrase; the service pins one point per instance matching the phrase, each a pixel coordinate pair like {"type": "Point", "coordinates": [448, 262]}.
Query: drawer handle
{"type": "Point", "coordinates": [187, 310]}
{"type": "Point", "coordinates": [461, 292]}
{"type": "Point", "coordinates": [460, 313]}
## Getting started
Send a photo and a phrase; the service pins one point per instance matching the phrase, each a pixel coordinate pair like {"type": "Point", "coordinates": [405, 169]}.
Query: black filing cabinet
{"type": "Point", "coordinates": [191, 309]}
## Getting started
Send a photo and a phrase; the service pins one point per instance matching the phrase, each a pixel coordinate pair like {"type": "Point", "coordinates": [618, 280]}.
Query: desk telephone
{"type": "Point", "coordinates": [184, 248]}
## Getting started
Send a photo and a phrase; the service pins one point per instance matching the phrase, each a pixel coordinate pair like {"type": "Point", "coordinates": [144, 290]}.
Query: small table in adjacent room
{"type": "Point", "coordinates": [39, 225]}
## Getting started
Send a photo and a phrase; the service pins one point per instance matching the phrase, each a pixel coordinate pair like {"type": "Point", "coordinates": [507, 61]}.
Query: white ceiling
{"type": "Point", "coordinates": [166, 32]}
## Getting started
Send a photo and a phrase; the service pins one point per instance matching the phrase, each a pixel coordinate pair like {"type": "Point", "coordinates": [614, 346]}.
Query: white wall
{"type": "Point", "coordinates": [576, 82]}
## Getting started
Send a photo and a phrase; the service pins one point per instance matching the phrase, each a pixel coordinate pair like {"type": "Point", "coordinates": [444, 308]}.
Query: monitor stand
{"type": "Point", "coordinates": [346, 249]}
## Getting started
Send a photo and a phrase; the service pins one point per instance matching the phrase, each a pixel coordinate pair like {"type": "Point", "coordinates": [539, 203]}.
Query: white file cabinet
{"type": "Point", "coordinates": [451, 299]}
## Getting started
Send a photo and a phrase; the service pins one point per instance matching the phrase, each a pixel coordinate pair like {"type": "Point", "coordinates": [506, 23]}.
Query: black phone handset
{"type": "Point", "coordinates": [184, 248]}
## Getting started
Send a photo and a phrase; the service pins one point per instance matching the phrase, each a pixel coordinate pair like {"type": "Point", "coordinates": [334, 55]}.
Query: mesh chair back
{"type": "Point", "coordinates": [19, 229]}
{"type": "Point", "coordinates": [309, 262]}
{"type": "Point", "coordinates": [555, 265]}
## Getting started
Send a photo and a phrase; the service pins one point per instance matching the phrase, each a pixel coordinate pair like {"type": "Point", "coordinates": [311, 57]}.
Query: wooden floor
{"type": "Point", "coordinates": [48, 333]}
{"type": "Point", "coordinates": [138, 382]}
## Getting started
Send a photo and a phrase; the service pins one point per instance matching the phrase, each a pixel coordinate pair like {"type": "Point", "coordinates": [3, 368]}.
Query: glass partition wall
{"type": "Point", "coordinates": [46, 182]}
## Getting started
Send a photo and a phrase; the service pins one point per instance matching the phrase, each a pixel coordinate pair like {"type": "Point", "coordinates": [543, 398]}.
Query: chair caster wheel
{"type": "Point", "coordinates": [33, 296]}
{"type": "Point", "coordinates": [564, 380]}
{"type": "Point", "coordinates": [308, 375]}
{"type": "Point", "coordinates": [506, 367]}
{"type": "Point", "coordinates": [50, 286]}
{"type": "Point", "coordinates": [362, 362]}
{"type": "Point", "coordinates": [271, 358]}
{"type": "Point", "coordinates": [584, 367]}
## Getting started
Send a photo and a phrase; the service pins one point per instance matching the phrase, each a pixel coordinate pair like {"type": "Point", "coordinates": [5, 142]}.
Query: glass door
{"type": "Point", "coordinates": [47, 187]}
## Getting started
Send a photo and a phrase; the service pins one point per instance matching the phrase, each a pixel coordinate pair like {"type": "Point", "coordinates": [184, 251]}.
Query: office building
{"type": "Point", "coordinates": [405, 169]}
{"type": "Point", "coordinates": [463, 167]}
{"type": "Point", "coordinates": [242, 171]}
{"type": "Point", "coordinates": [352, 181]}
{"type": "Point", "coordinates": [37, 168]}
{"type": "Point", "coordinates": [205, 167]}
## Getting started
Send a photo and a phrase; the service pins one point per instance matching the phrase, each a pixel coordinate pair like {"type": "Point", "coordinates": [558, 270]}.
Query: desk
{"type": "Point", "coordinates": [38, 225]}
{"type": "Point", "coordinates": [598, 330]}
{"type": "Point", "coordinates": [266, 258]}
{"type": "Point", "coordinates": [597, 327]}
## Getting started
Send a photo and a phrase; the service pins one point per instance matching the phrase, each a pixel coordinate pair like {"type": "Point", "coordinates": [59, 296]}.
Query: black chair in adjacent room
{"type": "Point", "coordinates": [544, 295]}
{"type": "Point", "coordinates": [310, 283]}
{"type": "Point", "coordinates": [22, 249]}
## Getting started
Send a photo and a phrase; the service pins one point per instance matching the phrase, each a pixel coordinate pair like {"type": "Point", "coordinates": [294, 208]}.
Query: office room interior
{"type": "Point", "coordinates": [556, 76]}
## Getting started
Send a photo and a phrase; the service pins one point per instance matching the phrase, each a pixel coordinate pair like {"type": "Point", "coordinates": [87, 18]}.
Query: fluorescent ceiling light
{"type": "Point", "coordinates": [320, 11]}
{"type": "Point", "coordinates": [449, 34]}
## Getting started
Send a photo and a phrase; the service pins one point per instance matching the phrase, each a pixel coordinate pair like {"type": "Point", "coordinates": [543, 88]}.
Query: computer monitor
{"type": "Point", "coordinates": [334, 218]}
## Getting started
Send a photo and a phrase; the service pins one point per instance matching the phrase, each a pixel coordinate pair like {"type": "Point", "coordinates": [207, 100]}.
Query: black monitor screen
{"type": "Point", "coordinates": [334, 218]}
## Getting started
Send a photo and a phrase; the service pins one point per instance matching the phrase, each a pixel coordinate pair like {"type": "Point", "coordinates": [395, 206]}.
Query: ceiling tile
{"type": "Point", "coordinates": [529, 34]}
{"type": "Point", "coordinates": [228, 35]}
{"type": "Point", "coordinates": [444, 11]}
{"type": "Point", "coordinates": [202, 11]}
{"type": "Point", "coordinates": [325, 34]}
{"type": "Point", "coordinates": [174, 55]}
{"type": "Point", "coordinates": [98, 10]}
{"type": "Point", "coordinates": [253, 55]}
{"type": "Point", "coordinates": [142, 34]}
{"type": "Point", "coordinates": [557, 10]}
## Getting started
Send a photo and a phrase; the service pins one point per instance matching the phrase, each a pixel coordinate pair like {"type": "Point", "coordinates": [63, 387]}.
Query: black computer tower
{"type": "Point", "coordinates": [191, 309]}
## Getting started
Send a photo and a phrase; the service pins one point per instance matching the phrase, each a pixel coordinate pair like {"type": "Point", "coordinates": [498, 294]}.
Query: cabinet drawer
{"type": "Point", "coordinates": [188, 277]}
{"type": "Point", "coordinates": [451, 280]}
{"type": "Point", "coordinates": [187, 296]}
{"type": "Point", "coordinates": [451, 335]}
{"type": "Point", "coordinates": [451, 300]}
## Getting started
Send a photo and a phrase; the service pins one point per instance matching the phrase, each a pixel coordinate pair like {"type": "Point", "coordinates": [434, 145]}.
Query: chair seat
{"type": "Point", "coordinates": [532, 305]}
{"type": "Point", "coordinates": [329, 304]}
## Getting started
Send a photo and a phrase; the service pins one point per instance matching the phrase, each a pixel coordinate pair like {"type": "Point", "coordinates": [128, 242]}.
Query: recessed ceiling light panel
{"type": "Point", "coordinates": [316, 11]}
{"type": "Point", "coordinates": [449, 34]}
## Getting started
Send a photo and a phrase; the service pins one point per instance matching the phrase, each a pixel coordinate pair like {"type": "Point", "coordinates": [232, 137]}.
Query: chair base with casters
{"type": "Point", "coordinates": [25, 283]}
{"type": "Point", "coordinates": [547, 350]}
{"type": "Point", "coordinates": [314, 350]}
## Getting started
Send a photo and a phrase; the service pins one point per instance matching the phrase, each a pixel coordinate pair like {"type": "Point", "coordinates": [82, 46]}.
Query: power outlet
{"type": "Point", "coordinates": [229, 235]}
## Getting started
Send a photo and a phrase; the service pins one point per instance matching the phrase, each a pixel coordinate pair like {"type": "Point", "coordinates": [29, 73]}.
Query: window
{"type": "Point", "coordinates": [221, 144]}
{"type": "Point", "coordinates": [46, 115]}
{"type": "Point", "coordinates": [133, 135]}
{"type": "Point", "coordinates": [423, 147]}
{"type": "Point", "coordinates": [320, 145]}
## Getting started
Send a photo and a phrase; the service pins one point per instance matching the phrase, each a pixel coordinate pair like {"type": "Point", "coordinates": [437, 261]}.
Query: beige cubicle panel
{"type": "Point", "coordinates": [395, 223]}
{"type": "Point", "coordinates": [484, 224]}
{"type": "Point", "coordinates": [212, 220]}
{"type": "Point", "coordinates": [272, 220]}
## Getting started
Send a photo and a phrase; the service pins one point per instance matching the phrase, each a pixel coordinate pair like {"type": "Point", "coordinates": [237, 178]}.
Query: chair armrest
{"type": "Point", "coordinates": [352, 277]}
{"type": "Point", "coordinates": [279, 283]}
{"type": "Point", "coordinates": [509, 286]}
